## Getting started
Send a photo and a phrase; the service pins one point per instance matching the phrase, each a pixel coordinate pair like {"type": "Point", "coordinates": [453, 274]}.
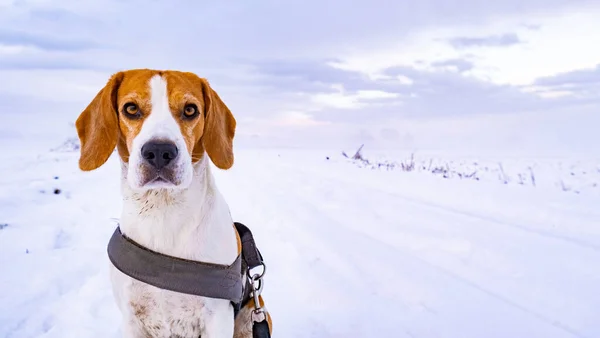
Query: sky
{"type": "Point", "coordinates": [404, 72]}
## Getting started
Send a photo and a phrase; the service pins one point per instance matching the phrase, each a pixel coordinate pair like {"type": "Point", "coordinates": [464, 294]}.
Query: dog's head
{"type": "Point", "coordinates": [162, 123]}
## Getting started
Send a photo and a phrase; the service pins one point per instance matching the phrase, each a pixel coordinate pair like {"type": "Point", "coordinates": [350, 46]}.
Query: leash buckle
{"type": "Point", "coordinates": [258, 314]}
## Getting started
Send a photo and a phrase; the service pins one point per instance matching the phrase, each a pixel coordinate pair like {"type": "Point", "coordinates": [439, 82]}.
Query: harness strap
{"type": "Point", "coordinates": [250, 252]}
{"type": "Point", "coordinates": [174, 273]}
{"type": "Point", "coordinates": [195, 277]}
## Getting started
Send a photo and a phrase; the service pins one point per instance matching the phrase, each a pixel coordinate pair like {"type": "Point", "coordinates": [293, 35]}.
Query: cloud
{"type": "Point", "coordinates": [297, 119]}
{"type": "Point", "coordinates": [401, 90]}
{"type": "Point", "coordinates": [52, 63]}
{"type": "Point", "coordinates": [533, 27]}
{"type": "Point", "coordinates": [580, 86]}
{"type": "Point", "coordinates": [44, 42]}
{"type": "Point", "coordinates": [442, 95]}
{"type": "Point", "coordinates": [306, 75]}
{"type": "Point", "coordinates": [51, 85]}
{"type": "Point", "coordinates": [357, 99]}
{"type": "Point", "coordinates": [308, 64]}
{"type": "Point", "coordinates": [503, 40]}
{"type": "Point", "coordinates": [444, 89]}
{"type": "Point", "coordinates": [578, 77]}
{"type": "Point", "coordinates": [459, 65]}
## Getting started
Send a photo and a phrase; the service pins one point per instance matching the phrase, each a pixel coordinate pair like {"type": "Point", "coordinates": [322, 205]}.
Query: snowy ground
{"type": "Point", "coordinates": [351, 251]}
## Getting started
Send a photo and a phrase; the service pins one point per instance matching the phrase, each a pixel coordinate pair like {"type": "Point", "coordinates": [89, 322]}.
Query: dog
{"type": "Point", "coordinates": [167, 126]}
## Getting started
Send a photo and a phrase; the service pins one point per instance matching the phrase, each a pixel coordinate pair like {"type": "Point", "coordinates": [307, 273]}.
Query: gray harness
{"type": "Point", "coordinates": [194, 277]}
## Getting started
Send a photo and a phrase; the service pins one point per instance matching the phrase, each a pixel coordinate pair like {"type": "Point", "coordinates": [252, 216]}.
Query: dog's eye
{"type": "Point", "coordinates": [131, 109]}
{"type": "Point", "coordinates": [190, 110]}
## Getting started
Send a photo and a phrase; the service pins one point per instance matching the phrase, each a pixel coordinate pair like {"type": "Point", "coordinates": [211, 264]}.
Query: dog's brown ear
{"type": "Point", "coordinates": [219, 128]}
{"type": "Point", "coordinates": [98, 126]}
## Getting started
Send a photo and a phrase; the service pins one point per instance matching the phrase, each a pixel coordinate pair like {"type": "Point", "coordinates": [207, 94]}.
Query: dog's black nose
{"type": "Point", "coordinates": [159, 154]}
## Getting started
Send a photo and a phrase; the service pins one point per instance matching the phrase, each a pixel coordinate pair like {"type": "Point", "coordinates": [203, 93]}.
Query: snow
{"type": "Point", "coordinates": [352, 249]}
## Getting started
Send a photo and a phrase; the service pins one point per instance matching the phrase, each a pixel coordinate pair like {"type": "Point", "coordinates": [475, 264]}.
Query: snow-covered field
{"type": "Point", "coordinates": [574, 174]}
{"type": "Point", "coordinates": [449, 247]}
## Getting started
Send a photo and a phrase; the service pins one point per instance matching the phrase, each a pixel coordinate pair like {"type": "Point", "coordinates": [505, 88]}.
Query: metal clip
{"type": "Point", "coordinates": [258, 314]}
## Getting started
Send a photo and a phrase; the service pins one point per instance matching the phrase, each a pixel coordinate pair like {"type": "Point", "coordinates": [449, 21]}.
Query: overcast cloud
{"type": "Point", "coordinates": [307, 64]}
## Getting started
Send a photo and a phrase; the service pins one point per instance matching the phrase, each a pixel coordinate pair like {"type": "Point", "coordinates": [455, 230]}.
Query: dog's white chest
{"type": "Point", "coordinates": [161, 313]}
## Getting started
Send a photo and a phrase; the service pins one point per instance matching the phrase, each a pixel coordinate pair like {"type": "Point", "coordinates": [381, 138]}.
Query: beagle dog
{"type": "Point", "coordinates": [167, 126]}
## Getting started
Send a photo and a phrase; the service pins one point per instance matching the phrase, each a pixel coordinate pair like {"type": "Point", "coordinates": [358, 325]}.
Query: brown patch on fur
{"type": "Point", "coordinates": [102, 126]}
{"type": "Point", "coordinates": [135, 88]}
{"type": "Point", "coordinates": [238, 239]}
{"type": "Point", "coordinates": [219, 130]}
{"type": "Point", "coordinates": [213, 131]}
{"type": "Point", "coordinates": [139, 310]}
{"type": "Point", "coordinates": [268, 315]}
{"type": "Point", "coordinates": [97, 126]}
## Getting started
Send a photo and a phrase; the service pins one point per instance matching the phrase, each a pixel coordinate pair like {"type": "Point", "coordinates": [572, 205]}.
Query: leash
{"type": "Point", "coordinates": [198, 278]}
{"type": "Point", "coordinates": [252, 258]}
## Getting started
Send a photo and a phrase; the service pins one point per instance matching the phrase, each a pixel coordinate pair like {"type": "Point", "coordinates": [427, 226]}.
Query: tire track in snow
{"type": "Point", "coordinates": [394, 249]}
{"type": "Point", "coordinates": [319, 267]}
{"type": "Point", "coordinates": [292, 202]}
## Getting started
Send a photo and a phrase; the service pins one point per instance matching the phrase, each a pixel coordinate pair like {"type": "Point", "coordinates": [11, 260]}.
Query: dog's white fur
{"type": "Point", "coordinates": [199, 227]}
